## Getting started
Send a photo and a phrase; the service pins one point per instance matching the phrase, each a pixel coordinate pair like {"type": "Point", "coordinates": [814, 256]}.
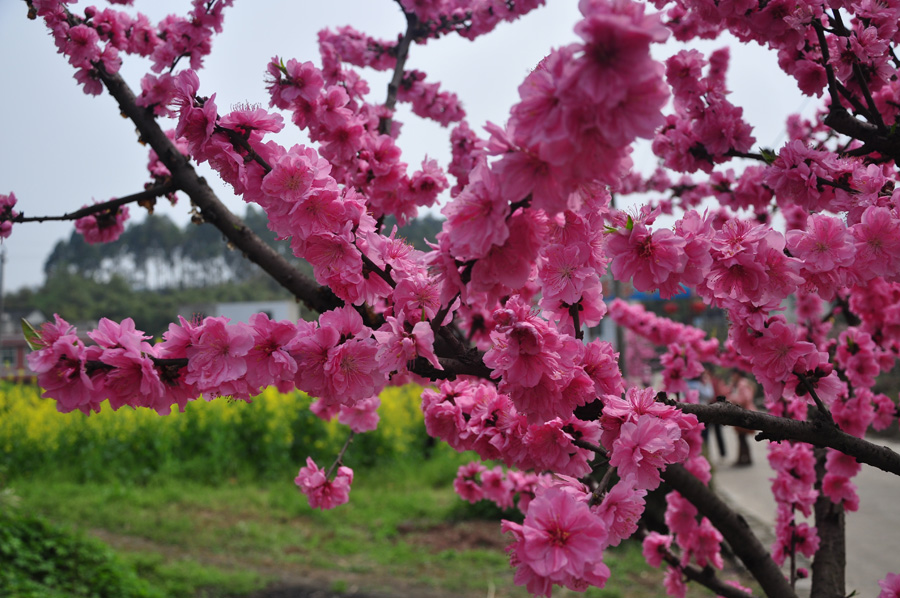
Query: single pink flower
{"type": "Point", "coordinates": [560, 535]}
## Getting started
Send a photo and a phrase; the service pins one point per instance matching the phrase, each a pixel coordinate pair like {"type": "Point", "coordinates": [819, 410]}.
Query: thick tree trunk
{"type": "Point", "coordinates": [831, 558]}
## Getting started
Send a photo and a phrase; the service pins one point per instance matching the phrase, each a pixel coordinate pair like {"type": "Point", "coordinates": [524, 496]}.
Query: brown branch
{"type": "Point", "coordinates": [872, 109]}
{"type": "Point", "coordinates": [730, 523]}
{"type": "Point", "coordinates": [749, 155]}
{"type": "Point", "coordinates": [816, 433]}
{"type": "Point", "coordinates": [402, 50]}
{"type": "Point", "coordinates": [112, 204]}
{"type": "Point", "coordinates": [839, 119]}
{"type": "Point", "coordinates": [829, 566]}
{"type": "Point", "coordinates": [705, 577]}
{"type": "Point", "coordinates": [823, 411]}
{"type": "Point", "coordinates": [339, 460]}
{"type": "Point", "coordinates": [854, 101]}
{"type": "Point", "coordinates": [240, 141]}
{"type": "Point", "coordinates": [829, 71]}
{"type": "Point", "coordinates": [184, 176]}
{"type": "Point", "coordinates": [453, 367]}
{"type": "Point", "coordinates": [371, 266]}
{"type": "Point", "coordinates": [734, 529]}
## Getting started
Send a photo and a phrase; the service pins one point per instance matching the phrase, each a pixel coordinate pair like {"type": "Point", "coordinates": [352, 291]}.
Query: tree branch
{"type": "Point", "coordinates": [816, 433]}
{"type": "Point", "coordinates": [412, 26]}
{"type": "Point", "coordinates": [705, 577]}
{"type": "Point", "coordinates": [184, 176]}
{"type": "Point", "coordinates": [112, 204]}
{"type": "Point", "coordinates": [734, 529]}
{"type": "Point", "coordinates": [831, 558]}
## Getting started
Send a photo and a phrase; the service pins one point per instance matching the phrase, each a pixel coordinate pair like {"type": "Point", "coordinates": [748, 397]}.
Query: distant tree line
{"type": "Point", "coordinates": [157, 266]}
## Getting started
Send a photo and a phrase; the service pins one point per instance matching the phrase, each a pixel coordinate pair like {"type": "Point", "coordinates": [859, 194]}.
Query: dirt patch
{"type": "Point", "coordinates": [463, 535]}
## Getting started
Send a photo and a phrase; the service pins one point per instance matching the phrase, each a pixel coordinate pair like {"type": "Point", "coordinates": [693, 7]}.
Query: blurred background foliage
{"type": "Point", "coordinates": [210, 442]}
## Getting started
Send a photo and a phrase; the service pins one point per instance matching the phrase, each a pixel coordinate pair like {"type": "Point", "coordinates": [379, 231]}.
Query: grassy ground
{"type": "Point", "coordinates": [202, 503]}
{"type": "Point", "coordinates": [404, 531]}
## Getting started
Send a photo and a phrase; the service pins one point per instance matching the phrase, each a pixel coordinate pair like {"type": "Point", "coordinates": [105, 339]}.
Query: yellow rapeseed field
{"type": "Point", "coordinates": [274, 432]}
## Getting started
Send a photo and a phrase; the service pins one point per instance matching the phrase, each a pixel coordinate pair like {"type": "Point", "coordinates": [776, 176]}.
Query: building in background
{"type": "Point", "coordinates": [240, 311]}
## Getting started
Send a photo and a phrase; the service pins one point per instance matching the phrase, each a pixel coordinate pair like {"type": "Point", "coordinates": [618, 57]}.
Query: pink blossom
{"type": "Point", "coordinates": [890, 586]}
{"type": "Point", "coordinates": [674, 583]}
{"type": "Point", "coordinates": [476, 217]}
{"type": "Point", "coordinates": [352, 372]}
{"type": "Point", "coordinates": [466, 483]}
{"type": "Point", "coordinates": [82, 46]}
{"type": "Point", "coordinates": [560, 535]}
{"type": "Point", "coordinates": [655, 547]}
{"type": "Point", "coordinates": [219, 354]}
{"type": "Point", "coordinates": [321, 492]}
{"type": "Point", "coordinates": [7, 214]}
{"type": "Point", "coordinates": [877, 242]}
{"type": "Point", "coordinates": [361, 416]}
{"type": "Point", "coordinates": [104, 226]}
{"type": "Point", "coordinates": [497, 487]}
{"type": "Point", "coordinates": [645, 447]}
{"type": "Point", "coordinates": [621, 511]}
{"type": "Point", "coordinates": [269, 361]}
{"type": "Point", "coordinates": [649, 258]}
{"type": "Point", "coordinates": [824, 246]}
{"type": "Point", "coordinates": [60, 366]}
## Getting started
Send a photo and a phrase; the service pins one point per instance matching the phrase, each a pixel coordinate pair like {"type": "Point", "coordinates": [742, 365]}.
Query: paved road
{"type": "Point", "coordinates": [873, 532]}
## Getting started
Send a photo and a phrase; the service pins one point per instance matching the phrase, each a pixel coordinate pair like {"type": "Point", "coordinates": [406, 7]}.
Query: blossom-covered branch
{"type": "Point", "coordinates": [184, 176]}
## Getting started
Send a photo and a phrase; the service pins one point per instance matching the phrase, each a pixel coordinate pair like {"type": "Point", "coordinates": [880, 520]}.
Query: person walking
{"type": "Point", "coordinates": [742, 392]}
{"type": "Point", "coordinates": [707, 386]}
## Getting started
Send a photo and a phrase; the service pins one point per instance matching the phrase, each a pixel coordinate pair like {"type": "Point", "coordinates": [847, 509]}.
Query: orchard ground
{"type": "Point", "coordinates": [232, 522]}
{"type": "Point", "coordinates": [404, 534]}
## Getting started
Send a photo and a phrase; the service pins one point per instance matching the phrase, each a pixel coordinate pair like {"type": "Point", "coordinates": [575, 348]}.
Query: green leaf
{"type": "Point", "coordinates": [31, 336]}
{"type": "Point", "coordinates": [768, 155]}
{"type": "Point", "coordinates": [629, 224]}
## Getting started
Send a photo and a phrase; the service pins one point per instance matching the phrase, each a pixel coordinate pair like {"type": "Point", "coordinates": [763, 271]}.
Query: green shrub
{"type": "Point", "coordinates": [212, 442]}
{"type": "Point", "coordinates": [42, 561]}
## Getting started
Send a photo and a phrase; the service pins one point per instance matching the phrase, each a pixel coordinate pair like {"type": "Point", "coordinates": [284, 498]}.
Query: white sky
{"type": "Point", "coordinates": [62, 149]}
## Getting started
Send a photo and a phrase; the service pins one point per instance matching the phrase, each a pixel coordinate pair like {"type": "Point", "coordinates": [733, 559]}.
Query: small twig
{"type": "Point", "coordinates": [705, 577]}
{"type": "Point", "coordinates": [841, 186]}
{"type": "Point", "coordinates": [591, 447]}
{"type": "Point", "coordinates": [340, 457]}
{"type": "Point", "coordinates": [412, 25]}
{"type": "Point", "coordinates": [857, 105]}
{"type": "Point", "coordinates": [112, 204]}
{"type": "Point", "coordinates": [749, 155]}
{"type": "Point", "coordinates": [829, 71]}
{"type": "Point", "coordinates": [239, 140]}
{"type": "Point", "coordinates": [600, 491]}
{"type": "Point", "coordinates": [573, 312]}
{"type": "Point", "coordinates": [823, 410]}
{"type": "Point", "coordinates": [873, 110]}
{"type": "Point", "coordinates": [373, 267]}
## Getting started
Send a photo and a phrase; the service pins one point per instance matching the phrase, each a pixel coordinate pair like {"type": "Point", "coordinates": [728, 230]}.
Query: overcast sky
{"type": "Point", "coordinates": [61, 148]}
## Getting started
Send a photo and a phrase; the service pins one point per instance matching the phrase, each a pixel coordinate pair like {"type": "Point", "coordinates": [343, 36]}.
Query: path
{"type": "Point", "coordinates": [873, 532]}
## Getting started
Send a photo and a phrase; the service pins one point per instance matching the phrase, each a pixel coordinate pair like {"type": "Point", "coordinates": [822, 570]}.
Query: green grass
{"type": "Point", "coordinates": [203, 504]}
{"type": "Point", "coordinates": [403, 525]}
